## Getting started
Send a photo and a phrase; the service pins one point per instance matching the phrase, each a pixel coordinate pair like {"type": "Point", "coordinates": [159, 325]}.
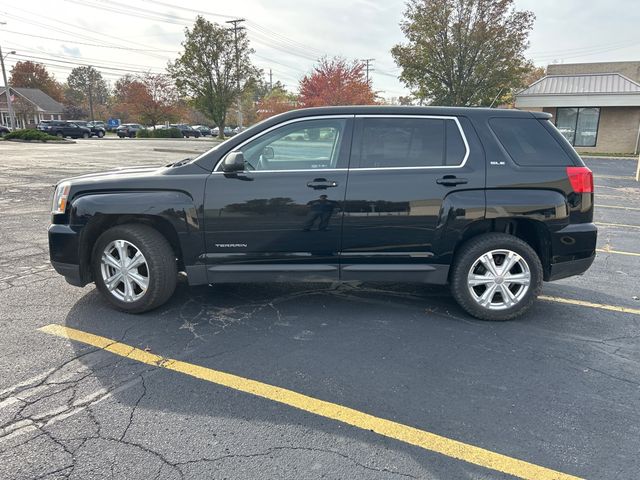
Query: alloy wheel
{"type": "Point", "coordinates": [499, 279]}
{"type": "Point", "coordinates": [125, 271]}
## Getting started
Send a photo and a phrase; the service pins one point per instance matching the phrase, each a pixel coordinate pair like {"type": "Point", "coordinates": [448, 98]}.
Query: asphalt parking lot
{"type": "Point", "coordinates": [373, 381]}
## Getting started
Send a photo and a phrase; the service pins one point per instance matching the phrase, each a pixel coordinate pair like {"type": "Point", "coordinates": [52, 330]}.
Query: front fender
{"type": "Point", "coordinates": [173, 209]}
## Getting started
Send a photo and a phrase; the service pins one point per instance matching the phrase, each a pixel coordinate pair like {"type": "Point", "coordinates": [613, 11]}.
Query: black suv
{"type": "Point", "coordinates": [63, 128]}
{"type": "Point", "coordinates": [492, 202]}
{"type": "Point", "coordinates": [128, 130]}
{"type": "Point", "coordinates": [187, 131]}
{"type": "Point", "coordinates": [96, 129]}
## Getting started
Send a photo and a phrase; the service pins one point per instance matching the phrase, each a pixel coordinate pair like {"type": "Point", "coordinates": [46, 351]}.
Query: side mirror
{"type": "Point", "coordinates": [268, 153]}
{"type": "Point", "coordinates": [234, 162]}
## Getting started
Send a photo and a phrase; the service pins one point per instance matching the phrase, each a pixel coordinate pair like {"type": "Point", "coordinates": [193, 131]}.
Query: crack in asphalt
{"type": "Point", "coordinates": [271, 450]}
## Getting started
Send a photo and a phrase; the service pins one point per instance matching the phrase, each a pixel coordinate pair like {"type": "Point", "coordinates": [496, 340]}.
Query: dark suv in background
{"type": "Point", "coordinates": [96, 129]}
{"type": "Point", "coordinates": [128, 130]}
{"type": "Point", "coordinates": [491, 202]}
{"type": "Point", "coordinates": [64, 128]}
{"type": "Point", "coordinates": [187, 131]}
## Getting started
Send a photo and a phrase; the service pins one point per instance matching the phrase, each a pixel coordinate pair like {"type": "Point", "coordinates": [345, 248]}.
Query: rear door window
{"type": "Point", "coordinates": [409, 142]}
{"type": "Point", "coordinates": [528, 142]}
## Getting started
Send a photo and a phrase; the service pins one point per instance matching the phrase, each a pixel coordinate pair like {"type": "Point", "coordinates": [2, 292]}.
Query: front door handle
{"type": "Point", "coordinates": [451, 181]}
{"type": "Point", "coordinates": [321, 184]}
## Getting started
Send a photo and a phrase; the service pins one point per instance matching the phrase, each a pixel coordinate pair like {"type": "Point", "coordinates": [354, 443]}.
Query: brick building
{"type": "Point", "coordinates": [596, 106]}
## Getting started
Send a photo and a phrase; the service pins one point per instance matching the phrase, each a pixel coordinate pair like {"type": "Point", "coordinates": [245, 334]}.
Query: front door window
{"type": "Point", "coordinates": [305, 145]}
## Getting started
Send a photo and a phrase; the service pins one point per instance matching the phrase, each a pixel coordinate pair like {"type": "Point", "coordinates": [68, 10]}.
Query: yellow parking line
{"type": "Point", "coordinates": [615, 177]}
{"type": "Point", "coordinates": [403, 433]}
{"type": "Point", "coordinates": [624, 225]}
{"type": "Point", "coordinates": [582, 303]}
{"type": "Point", "coordinates": [617, 252]}
{"type": "Point", "coordinates": [617, 206]}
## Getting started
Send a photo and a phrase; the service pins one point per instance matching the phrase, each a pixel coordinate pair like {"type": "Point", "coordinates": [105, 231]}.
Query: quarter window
{"type": "Point", "coordinates": [304, 145]}
{"type": "Point", "coordinates": [528, 142]}
{"type": "Point", "coordinates": [410, 142]}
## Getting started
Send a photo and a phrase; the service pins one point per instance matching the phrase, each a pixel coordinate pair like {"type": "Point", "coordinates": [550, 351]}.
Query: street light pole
{"type": "Point", "coordinates": [7, 90]}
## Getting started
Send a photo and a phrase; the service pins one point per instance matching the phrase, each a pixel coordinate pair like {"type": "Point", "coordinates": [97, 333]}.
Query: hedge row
{"type": "Point", "coordinates": [159, 133]}
{"type": "Point", "coordinates": [31, 135]}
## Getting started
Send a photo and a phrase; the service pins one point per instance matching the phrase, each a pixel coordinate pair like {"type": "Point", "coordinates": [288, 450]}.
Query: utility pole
{"type": "Point", "coordinates": [7, 89]}
{"type": "Point", "coordinates": [367, 62]}
{"type": "Point", "coordinates": [90, 79]}
{"type": "Point", "coordinates": [270, 80]}
{"type": "Point", "coordinates": [236, 28]}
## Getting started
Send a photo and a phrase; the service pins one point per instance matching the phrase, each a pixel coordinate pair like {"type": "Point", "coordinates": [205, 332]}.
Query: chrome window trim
{"type": "Point", "coordinates": [356, 169]}
{"type": "Point", "coordinates": [430, 167]}
{"type": "Point", "coordinates": [274, 127]}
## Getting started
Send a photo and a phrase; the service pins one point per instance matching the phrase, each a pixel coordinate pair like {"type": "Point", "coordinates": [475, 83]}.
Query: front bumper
{"type": "Point", "coordinates": [64, 252]}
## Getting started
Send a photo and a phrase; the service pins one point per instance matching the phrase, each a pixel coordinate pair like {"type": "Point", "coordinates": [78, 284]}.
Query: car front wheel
{"type": "Point", "coordinates": [85, 135]}
{"type": "Point", "coordinates": [134, 268]}
{"type": "Point", "coordinates": [496, 277]}
{"type": "Point", "coordinates": [100, 134]}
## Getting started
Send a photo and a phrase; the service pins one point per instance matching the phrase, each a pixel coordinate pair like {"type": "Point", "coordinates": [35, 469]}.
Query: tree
{"type": "Point", "coordinates": [159, 101]}
{"type": "Point", "coordinates": [127, 92]}
{"type": "Point", "coordinates": [208, 68]}
{"type": "Point", "coordinates": [86, 85]}
{"type": "Point", "coordinates": [463, 52]}
{"type": "Point", "coordinates": [275, 102]}
{"type": "Point", "coordinates": [336, 82]}
{"type": "Point", "coordinates": [34, 75]}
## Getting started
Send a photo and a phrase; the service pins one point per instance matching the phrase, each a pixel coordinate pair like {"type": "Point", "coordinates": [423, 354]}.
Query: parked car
{"type": "Point", "coordinates": [186, 130]}
{"type": "Point", "coordinates": [63, 128]}
{"type": "Point", "coordinates": [203, 129]}
{"type": "Point", "coordinates": [4, 130]}
{"type": "Point", "coordinates": [96, 131]}
{"type": "Point", "coordinates": [128, 130]}
{"type": "Point", "coordinates": [99, 124]}
{"type": "Point", "coordinates": [228, 131]}
{"type": "Point", "coordinates": [492, 202]}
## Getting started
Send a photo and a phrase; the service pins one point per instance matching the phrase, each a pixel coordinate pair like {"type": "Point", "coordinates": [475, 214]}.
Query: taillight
{"type": "Point", "coordinates": [581, 179]}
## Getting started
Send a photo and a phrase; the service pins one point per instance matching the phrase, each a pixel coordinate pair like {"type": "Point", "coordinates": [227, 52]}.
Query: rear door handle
{"type": "Point", "coordinates": [321, 184]}
{"type": "Point", "coordinates": [451, 181]}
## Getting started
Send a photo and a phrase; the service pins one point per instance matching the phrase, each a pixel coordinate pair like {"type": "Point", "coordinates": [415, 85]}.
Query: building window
{"type": "Point", "coordinates": [579, 125]}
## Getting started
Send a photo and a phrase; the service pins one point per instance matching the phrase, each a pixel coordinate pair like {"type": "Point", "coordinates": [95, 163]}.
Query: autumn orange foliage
{"type": "Point", "coordinates": [336, 82]}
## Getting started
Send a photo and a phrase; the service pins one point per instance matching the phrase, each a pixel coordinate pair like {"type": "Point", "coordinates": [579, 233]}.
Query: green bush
{"type": "Point", "coordinates": [144, 133]}
{"type": "Point", "coordinates": [31, 135]}
{"type": "Point", "coordinates": [166, 133]}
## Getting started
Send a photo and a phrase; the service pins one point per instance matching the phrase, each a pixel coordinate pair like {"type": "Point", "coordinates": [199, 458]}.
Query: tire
{"type": "Point", "coordinates": [60, 135]}
{"type": "Point", "coordinates": [85, 135]}
{"type": "Point", "coordinates": [473, 298]}
{"type": "Point", "coordinates": [100, 134]}
{"type": "Point", "coordinates": [159, 268]}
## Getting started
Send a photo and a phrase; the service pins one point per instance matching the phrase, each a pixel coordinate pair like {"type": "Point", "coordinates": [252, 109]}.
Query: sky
{"type": "Point", "coordinates": [134, 36]}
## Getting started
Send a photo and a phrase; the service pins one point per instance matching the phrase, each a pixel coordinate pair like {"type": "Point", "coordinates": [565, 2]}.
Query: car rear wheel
{"type": "Point", "coordinates": [60, 135]}
{"type": "Point", "coordinates": [85, 135]}
{"type": "Point", "coordinates": [496, 277]}
{"type": "Point", "coordinates": [134, 268]}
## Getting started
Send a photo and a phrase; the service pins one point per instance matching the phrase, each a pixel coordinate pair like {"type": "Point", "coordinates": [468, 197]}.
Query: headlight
{"type": "Point", "coordinates": [60, 198]}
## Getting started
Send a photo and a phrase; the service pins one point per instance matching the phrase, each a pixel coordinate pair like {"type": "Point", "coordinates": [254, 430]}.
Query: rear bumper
{"type": "Point", "coordinates": [570, 268]}
{"type": "Point", "coordinates": [573, 250]}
